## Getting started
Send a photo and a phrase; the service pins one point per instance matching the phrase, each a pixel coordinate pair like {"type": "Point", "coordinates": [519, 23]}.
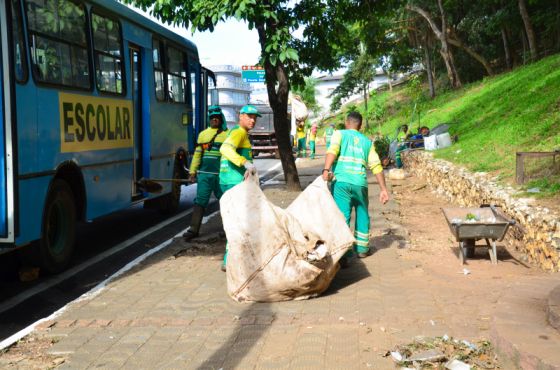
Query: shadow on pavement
{"type": "Point", "coordinates": [246, 336]}
{"type": "Point", "coordinates": [355, 272]}
{"type": "Point", "coordinates": [481, 253]}
{"type": "Point", "coordinates": [386, 241]}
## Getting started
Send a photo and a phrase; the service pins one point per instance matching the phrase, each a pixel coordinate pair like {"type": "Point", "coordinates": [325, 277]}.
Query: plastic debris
{"type": "Point", "coordinates": [397, 356]}
{"type": "Point", "coordinates": [533, 190]}
{"type": "Point", "coordinates": [457, 365]}
{"type": "Point", "coordinates": [318, 253]}
{"type": "Point", "coordinates": [470, 345]}
{"type": "Point", "coordinates": [445, 338]}
{"type": "Point", "coordinates": [431, 355]}
{"type": "Point", "coordinates": [432, 322]}
{"type": "Point", "coordinates": [465, 271]}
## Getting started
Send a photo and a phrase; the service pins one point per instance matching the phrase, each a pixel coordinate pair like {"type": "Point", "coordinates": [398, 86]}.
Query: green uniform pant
{"type": "Point", "coordinates": [207, 183]}
{"type": "Point", "coordinates": [312, 148]}
{"type": "Point", "coordinates": [226, 187]}
{"type": "Point", "coordinates": [301, 147]}
{"type": "Point", "coordinates": [398, 160]}
{"type": "Point", "coordinates": [346, 197]}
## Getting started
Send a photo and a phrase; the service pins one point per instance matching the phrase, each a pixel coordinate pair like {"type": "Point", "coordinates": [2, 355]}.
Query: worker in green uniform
{"type": "Point", "coordinates": [300, 136]}
{"type": "Point", "coordinates": [349, 155]}
{"type": "Point", "coordinates": [312, 136]}
{"type": "Point", "coordinates": [205, 167]}
{"type": "Point", "coordinates": [329, 131]}
{"type": "Point", "coordinates": [237, 157]}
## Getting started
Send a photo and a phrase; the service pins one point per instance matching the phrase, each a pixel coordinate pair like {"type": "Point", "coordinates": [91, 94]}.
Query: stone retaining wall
{"type": "Point", "coordinates": [537, 232]}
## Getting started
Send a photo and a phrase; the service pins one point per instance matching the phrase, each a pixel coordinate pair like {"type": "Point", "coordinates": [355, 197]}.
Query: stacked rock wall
{"type": "Point", "coordinates": [537, 232]}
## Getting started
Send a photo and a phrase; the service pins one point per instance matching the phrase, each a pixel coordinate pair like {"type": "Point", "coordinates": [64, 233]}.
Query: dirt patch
{"type": "Point", "coordinates": [30, 353]}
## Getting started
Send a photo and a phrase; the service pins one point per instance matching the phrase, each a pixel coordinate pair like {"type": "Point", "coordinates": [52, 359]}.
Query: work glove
{"type": "Point", "coordinates": [250, 169]}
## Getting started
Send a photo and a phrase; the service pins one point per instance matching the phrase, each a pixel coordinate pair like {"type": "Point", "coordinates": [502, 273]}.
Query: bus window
{"type": "Point", "coordinates": [20, 63]}
{"type": "Point", "coordinates": [159, 69]}
{"type": "Point", "coordinates": [58, 43]}
{"type": "Point", "coordinates": [176, 75]}
{"type": "Point", "coordinates": [107, 45]}
{"type": "Point", "coordinates": [194, 89]}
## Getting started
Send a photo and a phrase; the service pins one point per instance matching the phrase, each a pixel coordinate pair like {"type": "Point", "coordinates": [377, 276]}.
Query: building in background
{"type": "Point", "coordinates": [232, 92]}
{"type": "Point", "coordinates": [328, 83]}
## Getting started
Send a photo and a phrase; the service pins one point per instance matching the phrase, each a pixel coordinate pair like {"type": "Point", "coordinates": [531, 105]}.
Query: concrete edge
{"type": "Point", "coordinates": [511, 356]}
{"type": "Point", "coordinates": [553, 308]}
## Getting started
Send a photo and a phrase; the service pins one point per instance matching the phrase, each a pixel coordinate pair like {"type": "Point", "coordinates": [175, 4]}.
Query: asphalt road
{"type": "Point", "coordinates": [102, 248]}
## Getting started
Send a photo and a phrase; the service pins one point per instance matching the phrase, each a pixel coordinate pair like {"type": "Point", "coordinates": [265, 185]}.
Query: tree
{"type": "Point", "coordinates": [286, 59]}
{"type": "Point", "coordinates": [531, 38]}
{"type": "Point", "coordinates": [359, 75]}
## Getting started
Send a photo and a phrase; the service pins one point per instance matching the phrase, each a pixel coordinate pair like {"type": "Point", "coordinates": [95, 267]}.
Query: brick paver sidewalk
{"type": "Point", "coordinates": [173, 312]}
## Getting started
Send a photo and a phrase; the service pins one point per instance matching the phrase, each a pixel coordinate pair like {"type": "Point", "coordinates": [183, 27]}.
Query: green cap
{"type": "Point", "coordinates": [249, 109]}
{"type": "Point", "coordinates": [215, 110]}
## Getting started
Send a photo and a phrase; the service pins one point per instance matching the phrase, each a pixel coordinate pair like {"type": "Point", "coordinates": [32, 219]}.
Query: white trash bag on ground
{"type": "Point", "coordinates": [280, 254]}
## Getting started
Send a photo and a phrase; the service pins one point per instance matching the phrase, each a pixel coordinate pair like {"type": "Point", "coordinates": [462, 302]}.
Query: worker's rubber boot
{"type": "Point", "coordinates": [196, 221]}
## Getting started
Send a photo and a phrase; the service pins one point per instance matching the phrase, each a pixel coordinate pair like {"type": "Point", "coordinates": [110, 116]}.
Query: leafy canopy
{"type": "Point", "coordinates": [324, 35]}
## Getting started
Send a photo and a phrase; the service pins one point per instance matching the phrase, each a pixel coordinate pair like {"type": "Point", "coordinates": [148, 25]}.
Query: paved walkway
{"type": "Point", "coordinates": [172, 311]}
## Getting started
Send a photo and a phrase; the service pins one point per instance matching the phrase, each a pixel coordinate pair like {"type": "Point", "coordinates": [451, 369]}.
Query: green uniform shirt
{"type": "Point", "coordinates": [236, 150]}
{"type": "Point", "coordinates": [329, 131]}
{"type": "Point", "coordinates": [207, 159]}
{"type": "Point", "coordinates": [355, 153]}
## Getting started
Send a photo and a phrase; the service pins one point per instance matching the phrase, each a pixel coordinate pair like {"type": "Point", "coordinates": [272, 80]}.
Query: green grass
{"type": "Point", "coordinates": [493, 118]}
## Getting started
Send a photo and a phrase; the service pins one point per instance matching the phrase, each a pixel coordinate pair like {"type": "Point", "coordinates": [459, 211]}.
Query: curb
{"type": "Point", "coordinates": [553, 308]}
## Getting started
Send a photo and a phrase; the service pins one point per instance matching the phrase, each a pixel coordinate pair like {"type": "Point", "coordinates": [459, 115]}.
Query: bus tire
{"type": "Point", "coordinates": [58, 228]}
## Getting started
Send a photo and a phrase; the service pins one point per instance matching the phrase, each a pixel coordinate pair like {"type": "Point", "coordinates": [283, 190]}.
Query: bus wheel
{"type": "Point", "coordinates": [59, 228]}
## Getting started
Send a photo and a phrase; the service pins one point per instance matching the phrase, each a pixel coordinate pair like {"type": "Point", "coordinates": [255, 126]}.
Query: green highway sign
{"type": "Point", "coordinates": [251, 74]}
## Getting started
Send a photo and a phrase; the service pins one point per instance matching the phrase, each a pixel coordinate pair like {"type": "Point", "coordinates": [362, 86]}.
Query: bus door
{"type": "Point", "coordinates": [136, 77]}
{"type": "Point", "coordinates": [210, 92]}
{"type": "Point", "coordinates": [6, 181]}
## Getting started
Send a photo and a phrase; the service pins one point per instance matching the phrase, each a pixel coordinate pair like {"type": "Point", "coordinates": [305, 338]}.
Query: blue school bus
{"type": "Point", "coordinates": [99, 109]}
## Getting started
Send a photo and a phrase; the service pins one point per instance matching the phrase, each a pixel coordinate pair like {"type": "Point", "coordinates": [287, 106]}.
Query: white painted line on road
{"type": "Point", "coordinates": [274, 167]}
{"type": "Point", "coordinates": [23, 332]}
{"type": "Point", "coordinates": [14, 301]}
{"type": "Point", "coordinates": [209, 217]}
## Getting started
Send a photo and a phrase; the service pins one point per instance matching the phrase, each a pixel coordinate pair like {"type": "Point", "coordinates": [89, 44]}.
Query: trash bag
{"type": "Point", "coordinates": [280, 254]}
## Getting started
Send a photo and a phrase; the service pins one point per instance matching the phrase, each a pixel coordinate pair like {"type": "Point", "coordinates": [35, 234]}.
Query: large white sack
{"type": "Point", "coordinates": [269, 246]}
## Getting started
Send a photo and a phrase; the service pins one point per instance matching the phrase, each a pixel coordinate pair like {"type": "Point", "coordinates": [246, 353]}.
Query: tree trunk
{"type": "Point", "coordinates": [445, 52]}
{"type": "Point", "coordinates": [429, 71]}
{"type": "Point", "coordinates": [524, 43]}
{"type": "Point", "coordinates": [507, 52]}
{"type": "Point", "coordinates": [457, 42]}
{"type": "Point", "coordinates": [278, 88]}
{"type": "Point", "coordinates": [528, 29]}
{"type": "Point", "coordinates": [557, 25]}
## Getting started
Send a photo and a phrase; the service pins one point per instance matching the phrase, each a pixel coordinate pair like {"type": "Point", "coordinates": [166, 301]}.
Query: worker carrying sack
{"type": "Point", "coordinates": [280, 254]}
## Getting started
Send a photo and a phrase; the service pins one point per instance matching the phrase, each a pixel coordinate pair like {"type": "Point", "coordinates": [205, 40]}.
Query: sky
{"type": "Point", "coordinates": [231, 43]}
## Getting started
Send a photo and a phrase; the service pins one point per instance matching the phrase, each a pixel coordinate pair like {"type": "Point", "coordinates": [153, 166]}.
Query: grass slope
{"type": "Point", "coordinates": [494, 118]}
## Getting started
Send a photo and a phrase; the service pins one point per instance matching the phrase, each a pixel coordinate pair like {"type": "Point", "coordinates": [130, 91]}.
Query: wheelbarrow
{"type": "Point", "coordinates": [471, 224]}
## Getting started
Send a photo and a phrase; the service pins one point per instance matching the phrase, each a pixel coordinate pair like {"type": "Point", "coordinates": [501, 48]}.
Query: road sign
{"type": "Point", "coordinates": [252, 74]}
